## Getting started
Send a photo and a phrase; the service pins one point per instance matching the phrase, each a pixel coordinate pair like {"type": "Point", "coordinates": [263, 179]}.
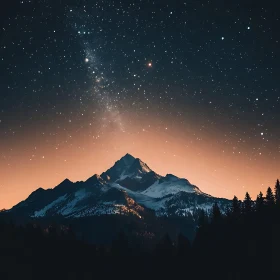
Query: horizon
{"type": "Point", "coordinates": [189, 88]}
{"type": "Point", "coordinates": [98, 174]}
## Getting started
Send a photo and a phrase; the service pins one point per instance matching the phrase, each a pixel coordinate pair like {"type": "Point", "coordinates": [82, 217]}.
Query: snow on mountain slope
{"type": "Point", "coordinates": [43, 211]}
{"type": "Point", "coordinates": [183, 203]}
{"type": "Point", "coordinates": [180, 203]}
{"type": "Point", "coordinates": [89, 198]}
{"type": "Point", "coordinates": [72, 205]}
{"type": "Point", "coordinates": [146, 201]}
{"type": "Point", "coordinates": [170, 185]}
{"type": "Point", "coordinates": [116, 201]}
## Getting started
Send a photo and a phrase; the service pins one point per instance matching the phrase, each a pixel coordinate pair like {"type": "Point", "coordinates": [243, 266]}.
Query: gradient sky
{"type": "Point", "coordinates": [190, 87]}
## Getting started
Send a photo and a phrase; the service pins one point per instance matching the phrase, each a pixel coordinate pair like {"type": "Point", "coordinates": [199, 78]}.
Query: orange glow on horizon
{"type": "Point", "coordinates": [165, 148]}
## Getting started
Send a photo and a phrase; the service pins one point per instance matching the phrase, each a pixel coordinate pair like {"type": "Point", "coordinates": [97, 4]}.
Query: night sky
{"type": "Point", "coordinates": [190, 87]}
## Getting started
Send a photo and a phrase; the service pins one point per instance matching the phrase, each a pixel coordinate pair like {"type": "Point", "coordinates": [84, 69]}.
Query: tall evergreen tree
{"type": "Point", "coordinates": [277, 192]}
{"type": "Point", "coordinates": [216, 213]}
{"type": "Point", "coordinates": [247, 203]}
{"type": "Point", "coordinates": [259, 201]}
{"type": "Point", "coordinates": [236, 207]}
{"type": "Point", "coordinates": [202, 219]}
{"type": "Point", "coordinates": [269, 197]}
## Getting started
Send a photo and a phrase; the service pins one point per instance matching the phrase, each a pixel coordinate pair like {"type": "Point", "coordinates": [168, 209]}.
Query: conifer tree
{"type": "Point", "coordinates": [259, 201]}
{"type": "Point", "coordinates": [236, 208]}
{"type": "Point", "coordinates": [247, 203]}
{"type": "Point", "coordinates": [216, 213]}
{"type": "Point", "coordinates": [202, 219]}
{"type": "Point", "coordinates": [269, 197]}
{"type": "Point", "coordinates": [277, 192]}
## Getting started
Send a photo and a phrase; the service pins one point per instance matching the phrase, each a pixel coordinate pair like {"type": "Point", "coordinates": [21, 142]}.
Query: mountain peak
{"type": "Point", "coordinates": [128, 155]}
{"type": "Point", "coordinates": [126, 166]}
{"type": "Point", "coordinates": [64, 184]}
{"type": "Point", "coordinates": [66, 181]}
{"type": "Point", "coordinates": [118, 168]}
{"type": "Point", "coordinates": [128, 159]}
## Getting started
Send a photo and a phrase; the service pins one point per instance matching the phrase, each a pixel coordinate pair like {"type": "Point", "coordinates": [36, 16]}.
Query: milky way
{"type": "Point", "coordinates": [101, 90]}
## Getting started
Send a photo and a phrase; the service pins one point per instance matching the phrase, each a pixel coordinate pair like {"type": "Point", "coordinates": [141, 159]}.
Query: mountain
{"type": "Point", "coordinates": [128, 187]}
{"type": "Point", "coordinates": [131, 173]}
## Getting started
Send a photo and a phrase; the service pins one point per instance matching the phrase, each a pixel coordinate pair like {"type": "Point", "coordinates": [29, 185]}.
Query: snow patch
{"type": "Point", "coordinates": [70, 206]}
{"type": "Point", "coordinates": [149, 202]}
{"type": "Point", "coordinates": [42, 212]}
{"type": "Point", "coordinates": [158, 190]}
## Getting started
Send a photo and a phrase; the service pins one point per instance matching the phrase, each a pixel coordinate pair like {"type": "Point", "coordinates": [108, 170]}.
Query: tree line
{"type": "Point", "coordinates": [241, 243]}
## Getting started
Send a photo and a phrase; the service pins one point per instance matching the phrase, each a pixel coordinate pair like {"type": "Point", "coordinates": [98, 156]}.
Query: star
{"type": "Point", "coordinates": [86, 60]}
{"type": "Point", "coordinates": [150, 64]}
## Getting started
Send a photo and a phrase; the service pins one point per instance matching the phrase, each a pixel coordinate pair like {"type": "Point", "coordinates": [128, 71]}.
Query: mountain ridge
{"type": "Point", "coordinates": [129, 179]}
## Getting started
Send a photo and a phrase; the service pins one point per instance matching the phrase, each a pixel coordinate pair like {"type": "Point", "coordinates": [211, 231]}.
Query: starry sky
{"type": "Point", "coordinates": [190, 87]}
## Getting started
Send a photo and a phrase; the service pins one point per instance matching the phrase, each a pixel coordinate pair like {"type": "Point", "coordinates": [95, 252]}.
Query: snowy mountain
{"type": "Point", "coordinates": [170, 184]}
{"type": "Point", "coordinates": [68, 199]}
{"type": "Point", "coordinates": [129, 186]}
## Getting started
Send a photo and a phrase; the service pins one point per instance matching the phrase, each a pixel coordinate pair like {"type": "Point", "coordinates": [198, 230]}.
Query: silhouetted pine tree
{"type": "Point", "coordinates": [259, 202]}
{"type": "Point", "coordinates": [247, 203]}
{"type": "Point", "coordinates": [202, 219]}
{"type": "Point", "coordinates": [216, 213]}
{"type": "Point", "coordinates": [269, 199]}
{"type": "Point", "coordinates": [277, 193]}
{"type": "Point", "coordinates": [236, 207]}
